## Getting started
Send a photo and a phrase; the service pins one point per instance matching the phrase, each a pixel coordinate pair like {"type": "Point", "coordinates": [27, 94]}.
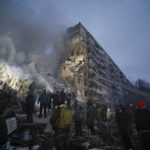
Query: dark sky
{"type": "Point", "coordinates": [122, 27]}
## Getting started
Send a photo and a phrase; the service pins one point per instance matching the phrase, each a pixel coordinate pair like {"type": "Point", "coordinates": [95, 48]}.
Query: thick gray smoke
{"type": "Point", "coordinates": [33, 27]}
{"type": "Point", "coordinates": [29, 31]}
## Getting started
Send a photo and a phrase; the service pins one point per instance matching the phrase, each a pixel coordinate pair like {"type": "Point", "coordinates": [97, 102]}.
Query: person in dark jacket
{"type": "Point", "coordinates": [142, 122]}
{"type": "Point", "coordinates": [89, 103]}
{"type": "Point", "coordinates": [30, 100]}
{"type": "Point", "coordinates": [3, 134]}
{"type": "Point", "coordinates": [99, 119]}
{"type": "Point", "coordinates": [56, 99]}
{"type": "Point", "coordinates": [90, 118]}
{"type": "Point", "coordinates": [54, 117]}
{"type": "Point", "coordinates": [43, 99]}
{"type": "Point", "coordinates": [69, 100]}
{"type": "Point", "coordinates": [50, 97]}
{"type": "Point", "coordinates": [78, 119]}
{"type": "Point", "coordinates": [104, 112]}
{"type": "Point", "coordinates": [63, 96]}
{"type": "Point", "coordinates": [123, 126]}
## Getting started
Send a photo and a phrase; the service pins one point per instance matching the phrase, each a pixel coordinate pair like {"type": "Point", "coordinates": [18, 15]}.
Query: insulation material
{"type": "Point", "coordinates": [11, 124]}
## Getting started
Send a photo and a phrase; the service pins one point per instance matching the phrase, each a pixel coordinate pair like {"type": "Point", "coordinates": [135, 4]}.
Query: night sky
{"type": "Point", "coordinates": [122, 27]}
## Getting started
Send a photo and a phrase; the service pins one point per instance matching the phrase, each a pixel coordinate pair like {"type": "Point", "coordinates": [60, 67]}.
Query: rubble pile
{"type": "Point", "coordinates": [9, 101]}
{"type": "Point", "coordinates": [31, 136]}
{"type": "Point", "coordinates": [111, 135]}
{"type": "Point", "coordinates": [108, 139]}
{"type": "Point", "coordinates": [14, 82]}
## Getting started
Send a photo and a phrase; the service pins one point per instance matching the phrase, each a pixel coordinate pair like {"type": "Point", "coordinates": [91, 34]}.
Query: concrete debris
{"type": "Point", "coordinates": [35, 147]}
{"type": "Point", "coordinates": [80, 99]}
{"type": "Point", "coordinates": [11, 124]}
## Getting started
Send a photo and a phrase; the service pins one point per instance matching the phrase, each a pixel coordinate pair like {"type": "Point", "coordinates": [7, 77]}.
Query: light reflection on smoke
{"type": "Point", "coordinates": [17, 68]}
{"type": "Point", "coordinates": [27, 39]}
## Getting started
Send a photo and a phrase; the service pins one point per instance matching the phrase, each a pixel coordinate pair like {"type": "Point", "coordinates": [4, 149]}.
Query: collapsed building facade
{"type": "Point", "coordinates": [90, 71]}
{"type": "Point", "coordinates": [85, 68]}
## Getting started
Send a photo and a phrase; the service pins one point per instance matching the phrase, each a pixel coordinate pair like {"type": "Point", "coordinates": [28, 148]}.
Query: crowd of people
{"type": "Point", "coordinates": [63, 118]}
{"type": "Point", "coordinates": [131, 120]}
{"type": "Point", "coordinates": [47, 100]}
{"type": "Point", "coordinates": [67, 118]}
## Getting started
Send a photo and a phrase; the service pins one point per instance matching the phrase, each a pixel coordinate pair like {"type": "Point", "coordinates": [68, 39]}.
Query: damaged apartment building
{"type": "Point", "coordinates": [89, 71]}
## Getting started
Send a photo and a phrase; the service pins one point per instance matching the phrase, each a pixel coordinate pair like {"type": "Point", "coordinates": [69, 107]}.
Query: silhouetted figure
{"type": "Point", "coordinates": [30, 100]}
{"type": "Point", "coordinates": [69, 100]}
{"type": "Point", "coordinates": [78, 119]}
{"type": "Point", "coordinates": [91, 116]}
{"type": "Point", "coordinates": [89, 103]}
{"type": "Point", "coordinates": [3, 133]}
{"type": "Point", "coordinates": [50, 97]}
{"type": "Point", "coordinates": [131, 113]}
{"type": "Point", "coordinates": [99, 119]}
{"type": "Point", "coordinates": [63, 97]}
{"type": "Point", "coordinates": [104, 112]}
{"type": "Point", "coordinates": [31, 87]}
{"type": "Point", "coordinates": [123, 126]}
{"type": "Point", "coordinates": [43, 99]}
{"type": "Point", "coordinates": [56, 99]}
{"type": "Point", "coordinates": [54, 118]}
{"type": "Point", "coordinates": [142, 122]}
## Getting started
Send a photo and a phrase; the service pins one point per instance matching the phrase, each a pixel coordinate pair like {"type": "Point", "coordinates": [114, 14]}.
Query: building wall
{"type": "Point", "coordinates": [92, 72]}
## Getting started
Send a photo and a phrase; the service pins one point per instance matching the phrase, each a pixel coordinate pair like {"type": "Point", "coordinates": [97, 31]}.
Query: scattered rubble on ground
{"type": "Point", "coordinates": [109, 139]}
{"type": "Point", "coordinates": [40, 134]}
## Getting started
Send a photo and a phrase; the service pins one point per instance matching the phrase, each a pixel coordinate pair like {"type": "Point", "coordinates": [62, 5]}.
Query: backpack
{"type": "Point", "coordinates": [64, 121]}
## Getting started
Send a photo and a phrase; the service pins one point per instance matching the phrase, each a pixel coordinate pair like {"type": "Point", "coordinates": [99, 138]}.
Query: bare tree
{"type": "Point", "coordinates": [142, 85]}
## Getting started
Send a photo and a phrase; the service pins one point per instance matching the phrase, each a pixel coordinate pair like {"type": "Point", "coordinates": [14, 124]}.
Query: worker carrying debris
{"type": "Point", "coordinates": [61, 121]}
{"type": "Point", "coordinates": [43, 99]}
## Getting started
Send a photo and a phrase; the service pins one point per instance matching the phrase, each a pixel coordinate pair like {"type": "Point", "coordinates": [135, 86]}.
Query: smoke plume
{"type": "Point", "coordinates": [29, 31]}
